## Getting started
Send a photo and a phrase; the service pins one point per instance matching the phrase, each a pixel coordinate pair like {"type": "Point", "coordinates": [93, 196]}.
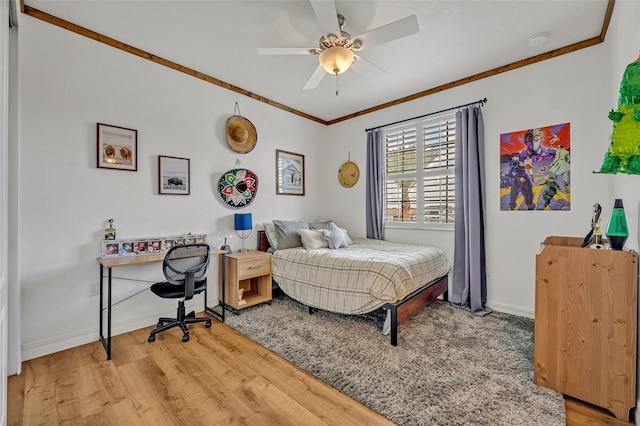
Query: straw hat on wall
{"type": "Point", "coordinates": [241, 134]}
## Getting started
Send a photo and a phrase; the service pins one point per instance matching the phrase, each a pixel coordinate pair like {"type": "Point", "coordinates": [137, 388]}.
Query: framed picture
{"type": "Point", "coordinates": [289, 173]}
{"type": "Point", "coordinates": [173, 175]}
{"type": "Point", "coordinates": [117, 148]}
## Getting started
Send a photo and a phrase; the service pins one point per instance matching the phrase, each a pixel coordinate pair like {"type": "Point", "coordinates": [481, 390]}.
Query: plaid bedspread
{"type": "Point", "coordinates": [357, 279]}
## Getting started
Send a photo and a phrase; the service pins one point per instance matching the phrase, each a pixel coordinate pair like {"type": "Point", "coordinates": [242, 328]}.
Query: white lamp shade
{"type": "Point", "coordinates": [336, 60]}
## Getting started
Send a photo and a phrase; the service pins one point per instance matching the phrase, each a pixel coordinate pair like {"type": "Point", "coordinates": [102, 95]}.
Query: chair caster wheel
{"type": "Point", "coordinates": [152, 338]}
{"type": "Point", "coordinates": [185, 338]}
{"type": "Point", "coordinates": [208, 324]}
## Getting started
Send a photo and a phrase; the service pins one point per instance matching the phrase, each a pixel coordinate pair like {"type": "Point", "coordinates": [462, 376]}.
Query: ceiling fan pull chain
{"type": "Point", "coordinates": [236, 110]}
{"type": "Point", "coordinates": [337, 83]}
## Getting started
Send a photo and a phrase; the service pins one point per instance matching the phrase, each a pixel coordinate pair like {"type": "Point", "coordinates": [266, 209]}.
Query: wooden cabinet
{"type": "Point", "coordinates": [247, 279]}
{"type": "Point", "coordinates": [585, 323]}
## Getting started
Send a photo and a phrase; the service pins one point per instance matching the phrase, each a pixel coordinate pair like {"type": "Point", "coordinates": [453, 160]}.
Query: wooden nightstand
{"type": "Point", "coordinates": [247, 280]}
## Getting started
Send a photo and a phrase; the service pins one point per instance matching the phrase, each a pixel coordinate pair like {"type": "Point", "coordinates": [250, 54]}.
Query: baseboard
{"type": "Point", "coordinates": [55, 344]}
{"type": "Point", "coordinates": [511, 309]}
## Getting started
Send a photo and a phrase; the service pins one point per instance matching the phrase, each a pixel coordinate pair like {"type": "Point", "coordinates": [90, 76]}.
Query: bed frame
{"type": "Point", "coordinates": [404, 309]}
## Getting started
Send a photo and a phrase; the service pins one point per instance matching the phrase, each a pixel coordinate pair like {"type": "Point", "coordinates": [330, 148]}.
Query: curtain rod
{"type": "Point", "coordinates": [481, 101]}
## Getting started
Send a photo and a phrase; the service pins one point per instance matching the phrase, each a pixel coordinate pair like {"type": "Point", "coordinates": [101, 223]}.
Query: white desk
{"type": "Point", "coordinates": [109, 263]}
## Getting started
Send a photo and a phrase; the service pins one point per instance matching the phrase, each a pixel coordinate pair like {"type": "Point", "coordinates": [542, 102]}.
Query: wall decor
{"type": "Point", "coordinates": [241, 133]}
{"type": "Point", "coordinates": [173, 175]}
{"type": "Point", "coordinates": [289, 173]}
{"type": "Point", "coordinates": [349, 173]}
{"type": "Point", "coordinates": [623, 155]}
{"type": "Point", "coordinates": [117, 147]}
{"type": "Point", "coordinates": [237, 188]}
{"type": "Point", "coordinates": [535, 169]}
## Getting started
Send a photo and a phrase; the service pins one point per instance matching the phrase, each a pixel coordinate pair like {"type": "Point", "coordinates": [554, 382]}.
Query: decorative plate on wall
{"type": "Point", "coordinates": [238, 187]}
{"type": "Point", "coordinates": [348, 174]}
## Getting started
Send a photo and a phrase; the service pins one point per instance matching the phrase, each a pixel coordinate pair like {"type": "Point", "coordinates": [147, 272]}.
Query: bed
{"type": "Point", "coordinates": [364, 276]}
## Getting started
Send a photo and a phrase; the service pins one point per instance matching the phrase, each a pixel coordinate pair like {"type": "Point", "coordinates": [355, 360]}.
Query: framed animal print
{"type": "Point", "coordinates": [173, 175]}
{"type": "Point", "coordinates": [117, 148]}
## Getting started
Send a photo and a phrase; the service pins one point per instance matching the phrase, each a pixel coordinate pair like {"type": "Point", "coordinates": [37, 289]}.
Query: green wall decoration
{"type": "Point", "coordinates": [623, 155]}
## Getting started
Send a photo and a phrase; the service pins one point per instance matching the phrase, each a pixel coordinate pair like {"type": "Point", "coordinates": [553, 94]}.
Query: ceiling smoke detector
{"type": "Point", "coordinates": [538, 39]}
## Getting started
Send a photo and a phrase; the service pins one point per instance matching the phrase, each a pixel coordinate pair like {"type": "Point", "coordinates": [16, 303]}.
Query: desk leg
{"type": "Point", "coordinates": [210, 311]}
{"type": "Point", "coordinates": [101, 307]}
{"type": "Point", "coordinates": [109, 315]}
{"type": "Point", "coordinates": [105, 343]}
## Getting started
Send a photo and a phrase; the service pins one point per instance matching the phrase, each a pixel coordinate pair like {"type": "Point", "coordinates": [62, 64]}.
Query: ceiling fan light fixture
{"type": "Point", "coordinates": [336, 60]}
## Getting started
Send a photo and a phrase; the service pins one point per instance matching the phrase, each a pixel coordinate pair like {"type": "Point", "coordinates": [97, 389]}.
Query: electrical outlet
{"type": "Point", "coordinates": [93, 289]}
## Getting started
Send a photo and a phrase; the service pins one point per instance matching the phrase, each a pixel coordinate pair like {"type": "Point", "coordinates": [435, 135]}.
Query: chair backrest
{"type": "Point", "coordinates": [186, 264]}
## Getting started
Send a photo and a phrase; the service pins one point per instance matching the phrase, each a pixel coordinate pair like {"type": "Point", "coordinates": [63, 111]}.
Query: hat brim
{"type": "Point", "coordinates": [249, 143]}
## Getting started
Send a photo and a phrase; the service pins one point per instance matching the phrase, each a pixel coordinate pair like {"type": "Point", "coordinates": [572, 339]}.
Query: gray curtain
{"type": "Point", "coordinates": [469, 287]}
{"type": "Point", "coordinates": [375, 184]}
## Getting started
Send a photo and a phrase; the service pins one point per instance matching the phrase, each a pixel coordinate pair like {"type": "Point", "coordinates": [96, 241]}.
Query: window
{"type": "Point", "coordinates": [419, 172]}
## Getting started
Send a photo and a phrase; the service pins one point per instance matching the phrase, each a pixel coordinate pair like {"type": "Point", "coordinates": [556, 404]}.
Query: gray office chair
{"type": "Point", "coordinates": [185, 268]}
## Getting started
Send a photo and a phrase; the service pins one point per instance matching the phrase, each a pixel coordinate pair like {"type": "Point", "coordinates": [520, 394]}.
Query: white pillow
{"type": "Point", "coordinates": [312, 239]}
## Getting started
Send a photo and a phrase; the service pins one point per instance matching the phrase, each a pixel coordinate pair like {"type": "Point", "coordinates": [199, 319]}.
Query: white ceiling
{"type": "Point", "coordinates": [457, 39]}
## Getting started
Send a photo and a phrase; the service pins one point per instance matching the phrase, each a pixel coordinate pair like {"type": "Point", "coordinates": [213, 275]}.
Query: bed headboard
{"type": "Point", "coordinates": [263, 243]}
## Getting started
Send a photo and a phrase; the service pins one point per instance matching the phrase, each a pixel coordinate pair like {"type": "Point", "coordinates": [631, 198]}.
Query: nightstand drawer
{"type": "Point", "coordinates": [254, 267]}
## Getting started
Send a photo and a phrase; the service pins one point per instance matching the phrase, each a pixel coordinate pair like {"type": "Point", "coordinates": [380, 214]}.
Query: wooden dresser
{"type": "Point", "coordinates": [585, 323]}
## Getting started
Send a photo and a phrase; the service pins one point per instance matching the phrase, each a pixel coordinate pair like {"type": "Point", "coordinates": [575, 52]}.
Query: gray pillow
{"type": "Point", "coordinates": [337, 237]}
{"type": "Point", "coordinates": [287, 234]}
{"type": "Point", "coordinates": [319, 225]}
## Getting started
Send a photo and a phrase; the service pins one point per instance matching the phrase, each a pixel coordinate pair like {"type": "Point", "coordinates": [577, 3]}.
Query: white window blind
{"type": "Point", "coordinates": [419, 172]}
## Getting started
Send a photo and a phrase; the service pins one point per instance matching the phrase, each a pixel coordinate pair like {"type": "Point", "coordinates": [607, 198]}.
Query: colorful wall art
{"type": "Point", "coordinates": [535, 169]}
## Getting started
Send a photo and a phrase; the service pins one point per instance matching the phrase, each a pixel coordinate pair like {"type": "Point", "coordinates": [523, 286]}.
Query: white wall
{"type": "Point", "coordinates": [573, 88]}
{"type": "Point", "coordinates": [622, 43]}
{"type": "Point", "coordinates": [4, 206]}
{"type": "Point", "coordinates": [69, 83]}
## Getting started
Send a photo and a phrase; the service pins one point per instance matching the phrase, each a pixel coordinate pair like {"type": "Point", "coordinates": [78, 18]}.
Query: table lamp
{"type": "Point", "coordinates": [243, 226]}
{"type": "Point", "coordinates": [617, 231]}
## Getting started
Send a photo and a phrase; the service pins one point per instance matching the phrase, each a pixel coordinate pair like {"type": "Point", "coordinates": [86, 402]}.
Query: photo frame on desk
{"type": "Point", "coordinates": [173, 175]}
{"type": "Point", "coordinates": [110, 248]}
{"type": "Point", "coordinates": [116, 147]}
{"type": "Point", "coordinates": [141, 247]}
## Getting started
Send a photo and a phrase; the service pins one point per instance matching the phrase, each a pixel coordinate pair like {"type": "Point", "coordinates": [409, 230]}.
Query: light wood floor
{"type": "Point", "coordinates": [218, 377]}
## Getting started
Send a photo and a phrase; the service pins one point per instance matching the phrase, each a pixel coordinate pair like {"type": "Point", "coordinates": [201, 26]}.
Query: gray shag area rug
{"type": "Point", "coordinates": [450, 367]}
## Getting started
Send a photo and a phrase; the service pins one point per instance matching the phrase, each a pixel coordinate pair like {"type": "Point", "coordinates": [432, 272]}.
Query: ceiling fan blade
{"type": "Point", "coordinates": [327, 16]}
{"type": "Point", "coordinates": [284, 50]}
{"type": "Point", "coordinates": [401, 28]}
{"type": "Point", "coordinates": [366, 67]}
{"type": "Point", "coordinates": [315, 78]}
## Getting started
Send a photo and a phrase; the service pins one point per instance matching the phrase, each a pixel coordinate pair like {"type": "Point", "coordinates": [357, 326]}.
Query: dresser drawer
{"type": "Point", "coordinates": [254, 267]}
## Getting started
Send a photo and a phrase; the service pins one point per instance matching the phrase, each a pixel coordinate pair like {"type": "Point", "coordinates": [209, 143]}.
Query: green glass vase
{"type": "Point", "coordinates": [617, 230]}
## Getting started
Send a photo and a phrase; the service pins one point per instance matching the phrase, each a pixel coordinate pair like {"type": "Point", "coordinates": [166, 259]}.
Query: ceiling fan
{"type": "Point", "coordinates": [336, 49]}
